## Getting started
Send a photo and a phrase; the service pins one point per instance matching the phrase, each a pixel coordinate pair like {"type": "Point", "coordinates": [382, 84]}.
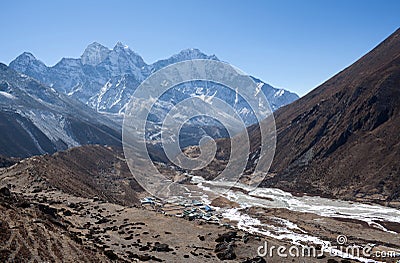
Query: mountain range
{"type": "Point", "coordinates": [105, 79]}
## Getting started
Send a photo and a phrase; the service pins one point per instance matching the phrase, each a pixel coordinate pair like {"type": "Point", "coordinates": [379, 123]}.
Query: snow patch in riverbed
{"type": "Point", "coordinates": [276, 198]}
{"type": "Point", "coordinates": [254, 226]}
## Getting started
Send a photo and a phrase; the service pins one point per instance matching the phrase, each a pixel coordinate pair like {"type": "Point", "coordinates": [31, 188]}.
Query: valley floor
{"type": "Point", "coordinates": [50, 212]}
{"type": "Point", "coordinates": [50, 225]}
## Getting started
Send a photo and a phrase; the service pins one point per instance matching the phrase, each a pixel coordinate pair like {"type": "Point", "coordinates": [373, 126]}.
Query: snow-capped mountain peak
{"type": "Point", "coordinates": [120, 45]}
{"type": "Point", "coordinates": [28, 64]}
{"type": "Point", "coordinates": [192, 53]}
{"type": "Point", "coordinates": [189, 54]}
{"type": "Point", "coordinates": [27, 59]}
{"type": "Point", "coordinates": [28, 56]}
{"type": "Point", "coordinates": [123, 58]}
{"type": "Point", "coordinates": [94, 54]}
{"type": "Point", "coordinates": [186, 54]}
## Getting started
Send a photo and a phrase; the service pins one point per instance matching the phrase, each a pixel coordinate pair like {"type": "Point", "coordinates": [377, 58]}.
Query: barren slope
{"type": "Point", "coordinates": [343, 139]}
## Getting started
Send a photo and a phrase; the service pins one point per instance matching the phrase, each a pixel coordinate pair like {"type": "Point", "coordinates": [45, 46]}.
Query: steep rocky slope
{"type": "Point", "coordinates": [343, 139]}
{"type": "Point", "coordinates": [36, 119]}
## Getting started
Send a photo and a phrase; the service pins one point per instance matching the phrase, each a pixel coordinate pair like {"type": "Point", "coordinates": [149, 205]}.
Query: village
{"type": "Point", "coordinates": [188, 209]}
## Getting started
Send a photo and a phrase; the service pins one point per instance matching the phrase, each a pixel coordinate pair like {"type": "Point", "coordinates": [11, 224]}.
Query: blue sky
{"type": "Point", "coordinates": [295, 45]}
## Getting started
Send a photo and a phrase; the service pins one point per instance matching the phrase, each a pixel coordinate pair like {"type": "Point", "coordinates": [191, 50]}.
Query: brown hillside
{"type": "Point", "coordinates": [342, 139]}
{"type": "Point", "coordinates": [90, 171]}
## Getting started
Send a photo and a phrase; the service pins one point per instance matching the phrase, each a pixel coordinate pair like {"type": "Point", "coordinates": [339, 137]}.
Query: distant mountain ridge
{"type": "Point", "coordinates": [36, 119]}
{"type": "Point", "coordinates": [105, 79]}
